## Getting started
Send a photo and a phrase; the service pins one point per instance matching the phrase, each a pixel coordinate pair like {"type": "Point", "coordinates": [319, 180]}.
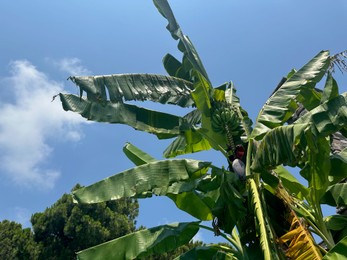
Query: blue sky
{"type": "Point", "coordinates": [45, 151]}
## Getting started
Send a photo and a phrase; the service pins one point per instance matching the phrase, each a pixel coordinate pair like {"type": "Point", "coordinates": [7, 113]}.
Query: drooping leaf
{"type": "Point", "coordinates": [161, 124]}
{"type": "Point", "coordinates": [105, 96]}
{"type": "Point", "coordinates": [338, 252]}
{"type": "Point", "coordinates": [281, 105]}
{"type": "Point", "coordinates": [300, 243]}
{"type": "Point", "coordinates": [137, 156]}
{"type": "Point", "coordinates": [156, 178]}
{"type": "Point", "coordinates": [137, 87]}
{"type": "Point", "coordinates": [193, 203]}
{"type": "Point", "coordinates": [190, 201]}
{"type": "Point", "coordinates": [336, 195]}
{"type": "Point", "coordinates": [143, 242]}
{"type": "Point", "coordinates": [185, 45]}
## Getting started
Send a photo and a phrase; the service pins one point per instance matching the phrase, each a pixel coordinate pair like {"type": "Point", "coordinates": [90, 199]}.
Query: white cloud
{"type": "Point", "coordinates": [72, 66]}
{"type": "Point", "coordinates": [28, 120]}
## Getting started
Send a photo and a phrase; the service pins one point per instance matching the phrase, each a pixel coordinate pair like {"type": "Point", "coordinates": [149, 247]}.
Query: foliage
{"type": "Point", "coordinates": [65, 227]}
{"type": "Point", "coordinates": [238, 199]}
{"type": "Point", "coordinates": [16, 242]}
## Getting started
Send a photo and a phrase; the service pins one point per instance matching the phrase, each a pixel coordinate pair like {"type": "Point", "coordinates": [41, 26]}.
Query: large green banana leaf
{"type": "Point", "coordinates": [105, 96]}
{"type": "Point", "coordinates": [143, 243]}
{"type": "Point", "coordinates": [195, 203]}
{"type": "Point", "coordinates": [280, 145]}
{"type": "Point", "coordinates": [137, 87]}
{"type": "Point", "coordinates": [159, 178]}
{"type": "Point", "coordinates": [281, 105]}
{"type": "Point", "coordinates": [185, 45]}
{"type": "Point", "coordinates": [163, 125]}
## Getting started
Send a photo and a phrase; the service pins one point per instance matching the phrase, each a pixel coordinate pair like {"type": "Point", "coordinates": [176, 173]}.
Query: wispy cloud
{"type": "Point", "coordinates": [28, 120]}
{"type": "Point", "coordinates": [72, 66]}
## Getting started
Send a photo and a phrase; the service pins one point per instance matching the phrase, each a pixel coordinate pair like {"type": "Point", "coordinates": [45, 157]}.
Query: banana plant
{"type": "Point", "coordinates": [254, 202]}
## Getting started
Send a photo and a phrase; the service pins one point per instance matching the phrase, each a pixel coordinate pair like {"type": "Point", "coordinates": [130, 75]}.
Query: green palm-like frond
{"type": "Point", "coordinates": [143, 243]}
{"type": "Point", "coordinates": [282, 104]}
{"type": "Point", "coordinates": [158, 177]}
{"type": "Point", "coordinates": [105, 96]}
{"type": "Point", "coordinates": [163, 125]}
{"type": "Point", "coordinates": [191, 200]}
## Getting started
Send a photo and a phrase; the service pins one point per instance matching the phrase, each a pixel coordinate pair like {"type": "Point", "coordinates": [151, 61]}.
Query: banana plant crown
{"type": "Point", "coordinates": [267, 211]}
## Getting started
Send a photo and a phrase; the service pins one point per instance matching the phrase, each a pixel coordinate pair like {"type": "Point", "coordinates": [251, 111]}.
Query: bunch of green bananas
{"type": "Point", "coordinates": [224, 119]}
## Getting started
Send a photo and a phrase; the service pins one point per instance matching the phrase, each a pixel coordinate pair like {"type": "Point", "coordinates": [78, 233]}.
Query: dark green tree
{"type": "Point", "coordinates": [16, 242]}
{"type": "Point", "coordinates": [66, 227]}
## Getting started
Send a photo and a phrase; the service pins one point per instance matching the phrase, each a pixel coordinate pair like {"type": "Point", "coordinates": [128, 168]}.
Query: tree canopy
{"type": "Point", "coordinates": [66, 227]}
{"type": "Point", "coordinates": [17, 243]}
